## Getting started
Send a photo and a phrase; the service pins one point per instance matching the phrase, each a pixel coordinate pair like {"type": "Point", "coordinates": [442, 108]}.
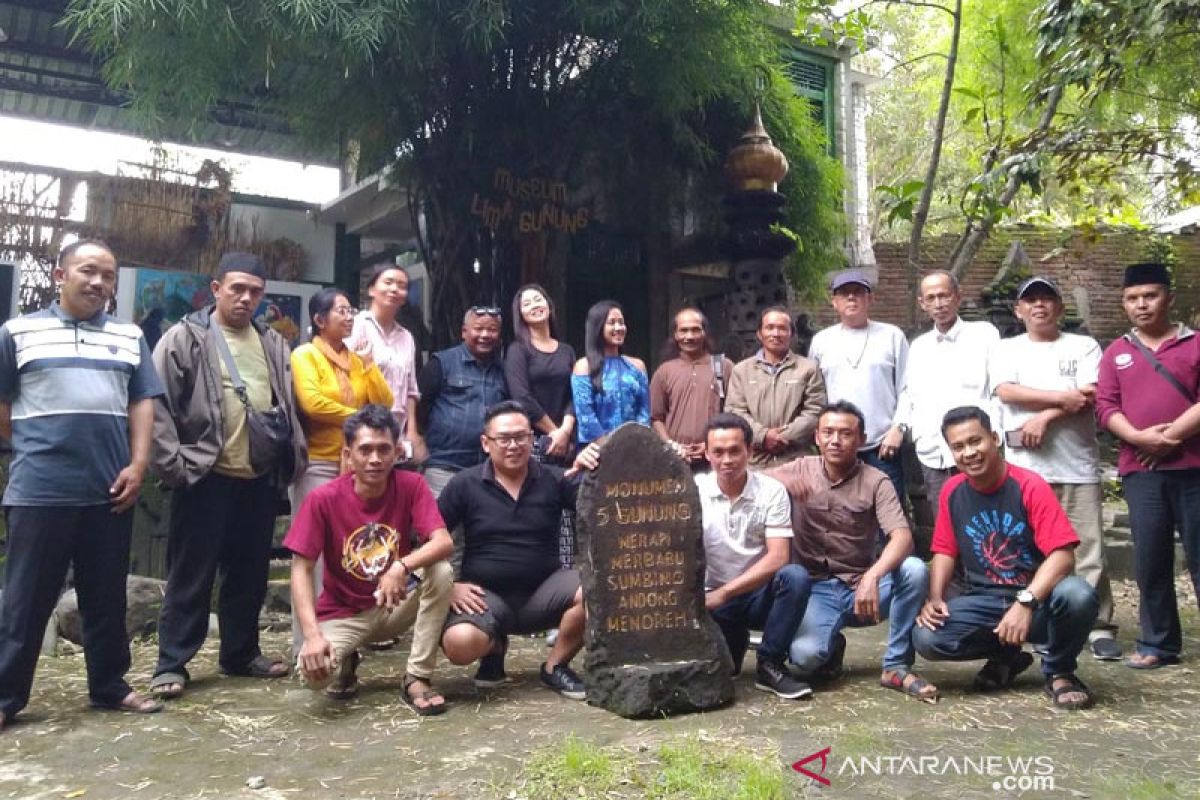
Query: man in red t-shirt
{"type": "Point", "coordinates": [375, 585]}
{"type": "Point", "coordinates": [1005, 530]}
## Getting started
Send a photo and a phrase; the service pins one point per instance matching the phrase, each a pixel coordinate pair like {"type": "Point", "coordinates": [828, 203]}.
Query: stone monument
{"type": "Point", "coordinates": [652, 649]}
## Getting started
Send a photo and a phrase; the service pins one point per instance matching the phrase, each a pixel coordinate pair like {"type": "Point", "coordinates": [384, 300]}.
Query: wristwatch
{"type": "Point", "coordinates": [1026, 598]}
{"type": "Point", "coordinates": [903, 427]}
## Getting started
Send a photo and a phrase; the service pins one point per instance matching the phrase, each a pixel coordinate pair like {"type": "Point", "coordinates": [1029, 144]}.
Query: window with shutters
{"type": "Point", "coordinates": [812, 77]}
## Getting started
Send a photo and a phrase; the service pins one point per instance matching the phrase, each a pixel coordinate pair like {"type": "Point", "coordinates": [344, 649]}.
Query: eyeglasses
{"type": "Point", "coordinates": [486, 311]}
{"type": "Point", "coordinates": [345, 311]}
{"type": "Point", "coordinates": [511, 439]}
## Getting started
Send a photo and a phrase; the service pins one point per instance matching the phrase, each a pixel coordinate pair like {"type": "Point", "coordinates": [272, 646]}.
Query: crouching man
{"type": "Point", "coordinates": [375, 586]}
{"type": "Point", "coordinates": [1005, 527]}
{"type": "Point", "coordinates": [747, 544]}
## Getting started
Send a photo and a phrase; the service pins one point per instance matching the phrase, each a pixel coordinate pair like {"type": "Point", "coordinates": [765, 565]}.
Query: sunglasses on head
{"type": "Point", "coordinates": [488, 311]}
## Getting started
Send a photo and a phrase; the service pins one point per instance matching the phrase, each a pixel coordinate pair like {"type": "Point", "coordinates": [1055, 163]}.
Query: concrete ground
{"type": "Point", "coordinates": [1142, 740]}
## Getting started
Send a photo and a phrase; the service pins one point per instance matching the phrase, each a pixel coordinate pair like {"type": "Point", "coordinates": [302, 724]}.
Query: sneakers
{"type": "Point", "coordinates": [774, 677]}
{"type": "Point", "coordinates": [1106, 649]}
{"type": "Point", "coordinates": [563, 680]}
{"type": "Point", "coordinates": [491, 668]}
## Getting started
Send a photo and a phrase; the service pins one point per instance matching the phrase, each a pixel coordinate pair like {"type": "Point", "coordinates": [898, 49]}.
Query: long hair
{"type": "Point", "coordinates": [520, 329]}
{"type": "Point", "coordinates": [593, 340]}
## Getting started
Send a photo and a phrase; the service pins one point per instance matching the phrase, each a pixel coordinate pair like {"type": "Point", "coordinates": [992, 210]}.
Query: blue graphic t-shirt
{"type": "Point", "coordinates": [1001, 535]}
{"type": "Point", "coordinates": [626, 398]}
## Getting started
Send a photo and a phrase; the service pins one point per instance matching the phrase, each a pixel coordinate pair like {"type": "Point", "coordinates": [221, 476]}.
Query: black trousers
{"type": "Point", "coordinates": [218, 525]}
{"type": "Point", "coordinates": [42, 543]}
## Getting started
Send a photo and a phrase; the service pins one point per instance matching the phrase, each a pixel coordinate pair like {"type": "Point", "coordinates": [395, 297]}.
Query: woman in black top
{"type": "Point", "coordinates": [538, 368]}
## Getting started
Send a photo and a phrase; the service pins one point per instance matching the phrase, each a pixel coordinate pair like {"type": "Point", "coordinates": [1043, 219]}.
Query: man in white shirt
{"type": "Point", "coordinates": [747, 544]}
{"type": "Point", "coordinates": [947, 368]}
{"type": "Point", "coordinates": [1045, 380]}
{"type": "Point", "coordinates": [865, 363]}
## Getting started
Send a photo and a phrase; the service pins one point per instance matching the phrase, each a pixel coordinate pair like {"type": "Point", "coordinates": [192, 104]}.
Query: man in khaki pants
{"type": "Point", "coordinates": [375, 585]}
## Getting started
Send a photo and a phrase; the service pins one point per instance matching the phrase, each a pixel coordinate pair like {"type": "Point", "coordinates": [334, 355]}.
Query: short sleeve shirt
{"type": "Point", "coordinates": [70, 383]}
{"type": "Point", "coordinates": [836, 524]}
{"type": "Point", "coordinates": [736, 531]}
{"type": "Point", "coordinates": [360, 539]}
{"type": "Point", "coordinates": [1069, 453]}
{"type": "Point", "coordinates": [1001, 535]}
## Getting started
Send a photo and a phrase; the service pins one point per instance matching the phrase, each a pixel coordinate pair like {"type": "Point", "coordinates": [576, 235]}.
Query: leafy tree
{"type": "Point", "coordinates": [628, 103]}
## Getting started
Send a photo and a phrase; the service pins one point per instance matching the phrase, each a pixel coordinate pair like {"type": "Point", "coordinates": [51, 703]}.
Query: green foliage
{"type": "Point", "coordinates": [631, 103]}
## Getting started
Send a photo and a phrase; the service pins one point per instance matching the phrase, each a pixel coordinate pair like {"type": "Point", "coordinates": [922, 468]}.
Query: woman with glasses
{"type": "Point", "coordinates": [332, 381]}
{"type": "Point", "coordinates": [392, 348]}
{"type": "Point", "coordinates": [537, 368]}
{"type": "Point", "coordinates": [608, 388]}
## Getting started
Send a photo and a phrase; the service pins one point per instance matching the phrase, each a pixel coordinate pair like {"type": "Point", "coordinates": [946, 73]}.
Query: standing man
{"type": "Point", "coordinates": [457, 386]}
{"type": "Point", "coordinates": [865, 363]}
{"type": "Point", "coordinates": [77, 402]}
{"type": "Point", "coordinates": [1046, 383]}
{"type": "Point", "coordinates": [747, 542]}
{"type": "Point", "coordinates": [689, 388]}
{"type": "Point", "coordinates": [1146, 397]}
{"type": "Point", "coordinates": [839, 505]}
{"type": "Point", "coordinates": [376, 586]}
{"type": "Point", "coordinates": [1003, 530]}
{"type": "Point", "coordinates": [947, 367]}
{"type": "Point", "coordinates": [778, 392]}
{"type": "Point", "coordinates": [224, 500]}
{"type": "Point", "coordinates": [511, 581]}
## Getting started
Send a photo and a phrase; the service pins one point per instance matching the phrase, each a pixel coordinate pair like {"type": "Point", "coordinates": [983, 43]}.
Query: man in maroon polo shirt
{"type": "Point", "coordinates": [1146, 397]}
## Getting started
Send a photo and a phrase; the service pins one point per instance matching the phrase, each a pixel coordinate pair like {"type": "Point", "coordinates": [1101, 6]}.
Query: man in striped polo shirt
{"type": "Point", "coordinates": [77, 396]}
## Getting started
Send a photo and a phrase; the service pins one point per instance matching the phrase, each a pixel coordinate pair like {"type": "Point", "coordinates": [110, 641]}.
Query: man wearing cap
{"type": "Point", "coordinates": [1045, 380]}
{"type": "Point", "coordinates": [778, 392]}
{"type": "Point", "coordinates": [224, 501]}
{"type": "Point", "coordinates": [457, 386]}
{"type": "Point", "coordinates": [947, 367]}
{"type": "Point", "coordinates": [1146, 397]}
{"type": "Point", "coordinates": [865, 362]}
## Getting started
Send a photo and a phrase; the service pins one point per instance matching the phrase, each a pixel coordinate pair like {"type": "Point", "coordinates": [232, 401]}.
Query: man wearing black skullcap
{"type": "Point", "coordinates": [220, 366]}
{"type": "Point", "coordinates": [1146, 396]}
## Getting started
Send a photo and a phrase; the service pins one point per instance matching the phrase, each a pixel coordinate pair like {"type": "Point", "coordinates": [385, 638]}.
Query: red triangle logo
{"type": "Point", "coordinates": [818, 776]}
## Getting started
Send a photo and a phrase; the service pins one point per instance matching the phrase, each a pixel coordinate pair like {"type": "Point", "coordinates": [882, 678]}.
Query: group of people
{"type": "Point", "coordinates": [439, 497]}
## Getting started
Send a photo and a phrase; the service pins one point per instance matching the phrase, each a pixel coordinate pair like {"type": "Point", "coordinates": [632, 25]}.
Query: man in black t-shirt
{"type": "Point", "coordinates": [508, 508]}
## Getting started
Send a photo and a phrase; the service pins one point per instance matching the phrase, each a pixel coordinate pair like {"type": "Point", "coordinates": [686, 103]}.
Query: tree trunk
{"type": "Point", "coordinates": [921, 213]}
{"type": "Point", "coordinates": [974, 237]}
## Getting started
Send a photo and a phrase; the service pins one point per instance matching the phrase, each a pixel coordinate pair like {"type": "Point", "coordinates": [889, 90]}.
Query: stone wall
{"type": "Point", "coordinates": [1087, 264]}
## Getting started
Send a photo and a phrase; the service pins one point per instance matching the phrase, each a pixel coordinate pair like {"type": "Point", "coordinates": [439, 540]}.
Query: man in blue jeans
{"type": "Point", "coordinates": [1004, 527]}
{"type": "Point", "coordinates": [839, 504]}
{"type": "Point", "coordinates": [747, 531]}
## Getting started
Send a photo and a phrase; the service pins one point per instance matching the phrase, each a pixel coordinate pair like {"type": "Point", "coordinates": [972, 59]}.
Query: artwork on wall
{"type": "Point", "coordinates": [155, 299]}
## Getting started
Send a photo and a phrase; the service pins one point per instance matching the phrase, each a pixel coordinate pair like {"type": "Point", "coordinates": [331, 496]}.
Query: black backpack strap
{"type": "Point", "coordinates": [1160, 369]}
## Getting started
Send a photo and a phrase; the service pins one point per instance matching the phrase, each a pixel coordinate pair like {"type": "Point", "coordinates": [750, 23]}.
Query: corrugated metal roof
{"type": "Point", "coordinates": [44, 77]}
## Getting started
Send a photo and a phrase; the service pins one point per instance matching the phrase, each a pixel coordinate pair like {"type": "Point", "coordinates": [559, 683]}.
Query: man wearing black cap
{"type": "Point", "coordinates": [217, 364]}
{"type": "Point", "coordinates": [866, 363]}
{"type": "Point", "coordinates": [1045, 380]}
{"type": "Point", "coordinates": [1146, 396]}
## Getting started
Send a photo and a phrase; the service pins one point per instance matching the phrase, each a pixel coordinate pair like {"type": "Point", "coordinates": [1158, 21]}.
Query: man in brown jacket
{"type": "Point", "coordinates": [778, 392]}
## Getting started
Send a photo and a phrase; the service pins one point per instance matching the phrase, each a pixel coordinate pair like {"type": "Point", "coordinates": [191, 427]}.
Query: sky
{"type": "Point", "coordinates": [46, 144]}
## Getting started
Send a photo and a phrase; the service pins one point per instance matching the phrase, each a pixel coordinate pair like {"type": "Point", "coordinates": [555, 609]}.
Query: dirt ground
{"type": "Point", "coordinates": [1141, 741]}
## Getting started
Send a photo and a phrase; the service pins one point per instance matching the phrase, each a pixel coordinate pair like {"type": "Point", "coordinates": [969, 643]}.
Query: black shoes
{"type": "Point", "coordinates": [491, 668]}
{"type": "Point", "coordinates": [563, 680]}
{"type": "Point", "coordinates": [774, 677]}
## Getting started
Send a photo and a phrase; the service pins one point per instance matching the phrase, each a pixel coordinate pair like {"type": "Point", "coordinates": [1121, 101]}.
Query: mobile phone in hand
{"type": "Point", "coordinates": [1012, 439]}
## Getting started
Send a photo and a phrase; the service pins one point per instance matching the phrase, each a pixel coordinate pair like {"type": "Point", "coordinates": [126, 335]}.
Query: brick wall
{"type": "Point", "coordinates": [1088, 266]}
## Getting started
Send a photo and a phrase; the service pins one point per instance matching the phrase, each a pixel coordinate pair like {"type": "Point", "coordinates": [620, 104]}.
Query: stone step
{"type": "Point", "coordinates": [1118, 554]}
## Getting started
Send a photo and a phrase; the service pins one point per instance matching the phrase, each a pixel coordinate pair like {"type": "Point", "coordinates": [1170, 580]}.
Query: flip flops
{"type": "Point", "coordinates": [917, 688]}
{"type": "Point", "coordinates": [259, 667]}
{"type": "Point", "coordinates": [168, 685]}
{"type": "Point", "coordinates": [132, 703]}
{"type": "Point", "coordinates": [1151, 661]}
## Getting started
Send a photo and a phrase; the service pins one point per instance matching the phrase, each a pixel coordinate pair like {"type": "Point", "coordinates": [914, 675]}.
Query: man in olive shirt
{"type": "Point", "coordinates": [222, 508]}
{"type": "Point", "coordinates": [689, 389]}
{"type": "Point", "coordinates": [778, 392]}
{"type": "Point", "coordinates": [839, 504]}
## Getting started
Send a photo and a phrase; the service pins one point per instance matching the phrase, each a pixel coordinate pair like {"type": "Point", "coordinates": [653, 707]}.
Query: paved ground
{"type": "Point", "coordinates": [1141, 741]}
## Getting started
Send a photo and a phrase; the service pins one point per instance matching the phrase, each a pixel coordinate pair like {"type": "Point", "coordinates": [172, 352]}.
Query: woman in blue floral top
{"type": "Point", "coordinates": [609, 388]}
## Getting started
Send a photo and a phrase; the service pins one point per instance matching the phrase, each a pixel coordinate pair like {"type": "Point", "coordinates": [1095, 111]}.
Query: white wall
{"type": "Point", "coordinates": [271, 222]}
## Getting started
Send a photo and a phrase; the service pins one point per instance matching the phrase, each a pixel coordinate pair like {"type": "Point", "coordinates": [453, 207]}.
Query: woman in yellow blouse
{"type": "Point", "coordinates": [332, 382]}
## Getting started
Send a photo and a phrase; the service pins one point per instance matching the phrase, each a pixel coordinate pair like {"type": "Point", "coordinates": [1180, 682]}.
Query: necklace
{"type": "Point", "coordinates": [866, 340]}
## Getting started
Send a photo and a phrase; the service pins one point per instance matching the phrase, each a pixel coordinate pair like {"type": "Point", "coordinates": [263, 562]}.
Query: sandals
{"type": "Point", "coordinates": [427, 696]}
{"type": "Point", "coordinates": [168, 685]}
{"type": "Point", "coordinates": [917, 687]}
{"type": "Point", "coordinates": [1142, 660]}
{"type": "Point", "coordinates": [997, 675]}
{"type": "Point", "coordinates": [132, 703]}
{"type": "Point", "coordinates": [259, 667]}
{"type": "Point", "coordinates": [345, 687]}
{"type": "Point", "coordinates": [1072, 686]}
